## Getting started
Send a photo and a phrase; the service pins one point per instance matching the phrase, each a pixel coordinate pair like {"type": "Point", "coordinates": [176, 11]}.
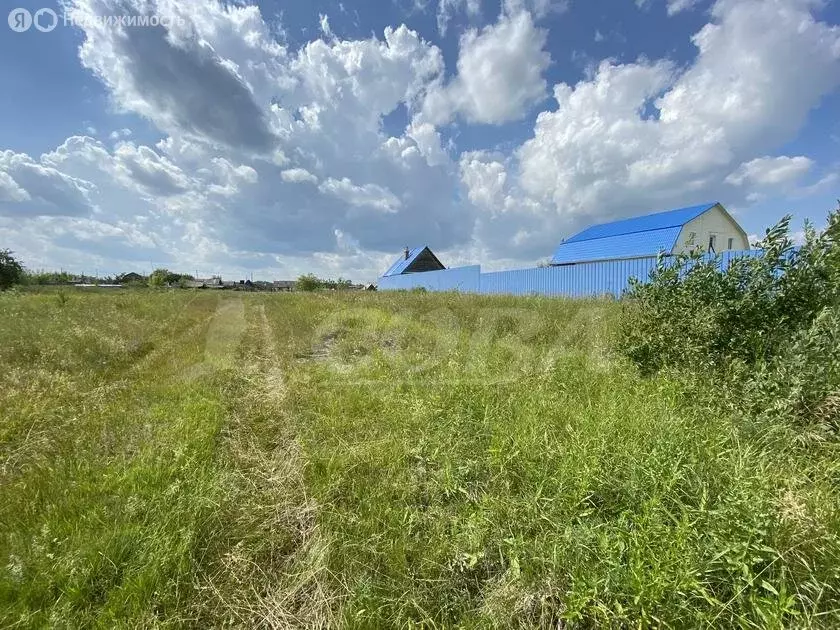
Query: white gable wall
{"type": "Point", "coordinates": [715, 221]}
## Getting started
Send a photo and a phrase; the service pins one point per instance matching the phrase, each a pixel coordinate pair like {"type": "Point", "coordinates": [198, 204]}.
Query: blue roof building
{"type": "Point", "coordinates": [708, 227]}
{"type": "Point", "coordinates": [414, 260]}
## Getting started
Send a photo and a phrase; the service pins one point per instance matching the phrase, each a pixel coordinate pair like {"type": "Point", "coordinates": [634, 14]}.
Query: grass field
{"type": "Point", "coordinates": [200, 459]}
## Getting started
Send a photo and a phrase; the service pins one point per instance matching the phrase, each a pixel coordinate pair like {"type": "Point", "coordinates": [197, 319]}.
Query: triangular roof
{"type": "Point", "coordinates": [646, 235]}
{"type": "Point", "coordinates": [404, 263]}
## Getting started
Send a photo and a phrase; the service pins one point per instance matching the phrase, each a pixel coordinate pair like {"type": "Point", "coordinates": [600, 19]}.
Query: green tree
{"type": "Point", "coordinates": [309, 282]}
{"type": "Point", "coordinates": [343, 283]}
{"type": "Point", "coordinates": [11, 271]}
{"type": "Point", "coordinates": [160, 277]}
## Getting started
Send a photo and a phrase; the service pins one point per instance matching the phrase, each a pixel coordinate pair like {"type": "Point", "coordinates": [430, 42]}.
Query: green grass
{"type": "Point", "coordinates": [197, 459]}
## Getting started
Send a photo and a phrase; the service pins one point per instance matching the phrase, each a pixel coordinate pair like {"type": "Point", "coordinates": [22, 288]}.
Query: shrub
{"type": "Point", "coordinates": [311, 282]}
{"type": "Point", "coordinates": [164, 277]}
{"type": "Point", "coordinates": [308, 282]}
{"type": "Point", "coordinates": [47, 277]}
{"type": "Point", "coordinates": [803, 382]}
{"type": "Point", "coordinates": [692, 313]}
{"type": "Point", "coordinates": [11, 271]}
{"type": "Point", "coordinates": [770, 320]}
{"type": "Point", "coordinates": [159, 277]}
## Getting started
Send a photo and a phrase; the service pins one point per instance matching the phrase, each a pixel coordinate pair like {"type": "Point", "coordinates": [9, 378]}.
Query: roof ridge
{"type": "Point", "coordinates": [642, 223]}
{"type": "Point", "coordinates": [404, 261]}
{"type": "Point", "coordinates": [635, 245]}
{"type": "Point", "coordinates": [596, 238]}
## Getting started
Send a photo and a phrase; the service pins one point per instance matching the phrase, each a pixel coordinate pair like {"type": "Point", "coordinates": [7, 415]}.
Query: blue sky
{"type": "Point", "coordinates": [277, 138]}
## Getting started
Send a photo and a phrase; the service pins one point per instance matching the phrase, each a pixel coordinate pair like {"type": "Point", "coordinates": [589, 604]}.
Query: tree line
{"type": "Point", "coordinates": [12, 272]}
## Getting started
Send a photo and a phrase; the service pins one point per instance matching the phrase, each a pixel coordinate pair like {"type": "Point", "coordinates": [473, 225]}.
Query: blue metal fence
{"type": "Point", "coordinates": [610, 277]}
{"type": "Point", "coordinates": [598, 278]}
{"type": "Point", "coordinates": [463, 279]}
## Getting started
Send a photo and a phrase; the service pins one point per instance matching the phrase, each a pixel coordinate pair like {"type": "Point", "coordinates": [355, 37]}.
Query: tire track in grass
{"type": "Point", "coordinates": [225, 334]}
{"type": "Point", "coordinates": [272, 572]}
{"type": "Point", "coordinates": [273, 381]}
{"type": "Point", "coordinates": [304, 597]}
{"type": "Point", "coordinates": [222, 340]}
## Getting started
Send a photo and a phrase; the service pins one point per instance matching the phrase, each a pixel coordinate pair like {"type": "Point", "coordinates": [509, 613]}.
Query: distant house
{"type": "Point", "coordinates": [415, 260]}
{"type": "Point", "coordinates": [283, 285]}
{"type": "Point", "coordinates": [707, 228]}
{"type": "Point", "coordinates": [213, 282]}
{"type": "Point", "coordinates": [131, 276]}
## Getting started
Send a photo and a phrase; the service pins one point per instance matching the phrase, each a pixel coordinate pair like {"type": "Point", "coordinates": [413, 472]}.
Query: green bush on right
{"type": "Point", "coordinates": [768, 324]}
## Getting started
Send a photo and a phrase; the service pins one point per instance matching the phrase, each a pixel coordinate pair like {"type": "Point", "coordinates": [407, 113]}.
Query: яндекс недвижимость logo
{"type": "Point", "coordinates": [44, 20]}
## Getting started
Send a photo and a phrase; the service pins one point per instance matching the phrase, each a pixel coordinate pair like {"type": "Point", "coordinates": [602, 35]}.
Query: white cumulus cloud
{"type": "Point", "coordinates": [500, 74]}
{"type": "Point", "coordinates": [771, 171]}
{"type": "Point", "coordinates": [298, 175]}
{"type": "Point", "coordinates": [369, 195]}
{"type": "Point", "coordinates": [678, 6]}
{"type": "Point", "coordinates": [448, 8]}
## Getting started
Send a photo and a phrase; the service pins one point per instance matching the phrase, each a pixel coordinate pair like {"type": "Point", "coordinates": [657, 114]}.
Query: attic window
{"type": "Point", "coordinates": [730, 243]}
{"type": "Point", "coordinates": [712, 242]}
{"type": "Point", "coordinates": [692, 236]}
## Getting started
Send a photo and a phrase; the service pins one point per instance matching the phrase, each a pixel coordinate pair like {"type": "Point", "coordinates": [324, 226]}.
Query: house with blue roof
{"type": "Point", "coordinates": [707, 227]}
{"type": "Point", "coordinates": [414, 260]}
